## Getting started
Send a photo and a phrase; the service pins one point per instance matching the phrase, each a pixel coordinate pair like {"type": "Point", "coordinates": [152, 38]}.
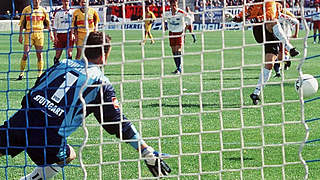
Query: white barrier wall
{"type": "Point", "coordinates": [8, 25]}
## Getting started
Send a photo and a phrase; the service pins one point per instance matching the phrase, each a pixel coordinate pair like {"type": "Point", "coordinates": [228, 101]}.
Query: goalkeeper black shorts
{"type": "Point", "coordinates": [42, 144]}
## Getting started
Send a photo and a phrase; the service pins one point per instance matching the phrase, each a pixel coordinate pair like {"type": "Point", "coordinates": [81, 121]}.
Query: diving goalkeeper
{"type": "Point", "coordinates": [52, 110]}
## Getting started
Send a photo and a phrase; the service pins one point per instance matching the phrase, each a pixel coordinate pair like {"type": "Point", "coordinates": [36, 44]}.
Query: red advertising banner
{"type": "Point", "coordinates": [136, 11]}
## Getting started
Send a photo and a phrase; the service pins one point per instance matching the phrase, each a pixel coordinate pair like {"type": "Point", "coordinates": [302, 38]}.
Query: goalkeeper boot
{"type": "Point", "coordinates": [287, 65]}
{"type": "Point", "coordinates": [20, 77]}
{"type": "Point", "coordinates": [255, 98]}
{"type": "Point", "coordinates": [294, 52]}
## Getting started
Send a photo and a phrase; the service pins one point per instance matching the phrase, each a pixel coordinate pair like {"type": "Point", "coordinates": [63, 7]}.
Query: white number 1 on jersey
{"type": "Point", "coordinates": [62, 90]}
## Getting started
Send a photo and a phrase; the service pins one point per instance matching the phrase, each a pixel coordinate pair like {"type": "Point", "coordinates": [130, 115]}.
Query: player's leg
{"type": "Point", "coordinates": [69, 52]}
{"type": "Point", "coordinates": [271, 52]}
{"type": "Point", "coordinates": [318, 30]}
{"type": "Point", "coordinates": [145, 37]}
{"type": "Point", "coordinates": [23, 62]}
{"type": "Point", "coordinates": [57, 56]}
{"type": "Point", "coordinates": [148, 32]}
{"type": "Point", "coordinates": [176, 41]}
{"type": "Point", "coordinates": [264, 77]}
{"type": "Point", "coordinates": [78, 55]}
{"type": "Point", "coordinates": [150, 36]}
{"type": "Point", "coordinates": [176, 51]}
{"type": "Point", "coordinates": [48, 172]}
{"type": "Point", "coordinates": [38, 43]}
{"type": "Point", "coordinates": [70, 46]}
{"type": "Point", "coordinates": [277, 30]}
{"type": "Point", "coordinates": [58, 46]}
{"type": "Point", "coordinates": [40, 59]}
{"type": "Point", "coordinates": [277, 65]}
{"type": "Point", "coordinates": [192, 34]}
{"type": "Point", "coordinates": [79, 43]}
{"type": "Point", "coordinates": [314, 33]}
{"type": "Point", "coordinates": [26, 49]}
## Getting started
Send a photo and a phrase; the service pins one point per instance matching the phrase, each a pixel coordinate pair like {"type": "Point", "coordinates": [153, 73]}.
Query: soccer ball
{"type": "Point", "coordinates": [309, 85]}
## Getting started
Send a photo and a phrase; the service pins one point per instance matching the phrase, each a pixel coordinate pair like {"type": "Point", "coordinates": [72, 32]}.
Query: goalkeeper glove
{"type": "Point", "coordinates": [153, 161]}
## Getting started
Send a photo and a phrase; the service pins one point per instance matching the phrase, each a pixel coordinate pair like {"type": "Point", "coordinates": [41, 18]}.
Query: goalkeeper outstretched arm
{"type": "Point", "coordinates": [111, 120]}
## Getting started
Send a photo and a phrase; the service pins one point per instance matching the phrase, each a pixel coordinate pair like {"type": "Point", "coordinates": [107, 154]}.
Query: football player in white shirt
{"type": "Point", "coordinates": [316, 24]}
{"type": "Point", "coordinates": [62, 31]}
{"type": "Point", "coordinates": [287, 21]}
{"type": "Point", "coordinates": [189, 23]}
{"type": "Point", "coordinates": [176, 19]}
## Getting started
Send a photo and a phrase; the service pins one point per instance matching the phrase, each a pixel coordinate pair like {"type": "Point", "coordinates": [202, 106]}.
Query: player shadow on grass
{"type": "Point", "coordinates": [130, 74]}
{"type": "Point", "coordinates": [286, 84]}
{"type": "Point", "coordinates": [215, 105]}
{"type": "Point", "coordinates": [218, 78]}
{"type": "Point", "coordinates": [239, 159]}
{"type": "Point", "coordinates": [15, 79]}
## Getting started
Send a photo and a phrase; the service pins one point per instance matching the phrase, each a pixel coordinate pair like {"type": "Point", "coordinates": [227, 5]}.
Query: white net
{"type": "Point", "coordinates": [203, 117]}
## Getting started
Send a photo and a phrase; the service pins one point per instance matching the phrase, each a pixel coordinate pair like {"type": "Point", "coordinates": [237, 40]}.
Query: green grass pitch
{"type": "Point", "coordinates": [202, 117]}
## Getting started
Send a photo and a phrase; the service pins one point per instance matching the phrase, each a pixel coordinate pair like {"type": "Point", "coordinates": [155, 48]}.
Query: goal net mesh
{"type": "Point", "coordinates": [203, 117]}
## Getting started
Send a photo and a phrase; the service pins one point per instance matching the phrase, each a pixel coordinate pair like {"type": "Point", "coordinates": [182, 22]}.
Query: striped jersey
{"type": "Point", "coordinates": [78, 19]}
{"type": "Point", "coordinates": [34, 19]}
{"type": "Point", "coordinates": [55, 99]}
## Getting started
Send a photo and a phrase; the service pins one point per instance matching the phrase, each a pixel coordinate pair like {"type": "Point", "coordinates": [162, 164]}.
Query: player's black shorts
{"type": "Point", "coordinates": [41, 143]}
{"type": "Point", "coordinates": [272, 48]}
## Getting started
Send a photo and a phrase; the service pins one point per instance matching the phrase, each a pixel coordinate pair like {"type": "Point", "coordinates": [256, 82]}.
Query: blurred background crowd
{"type": "Point", "coordinates": [196, 5]}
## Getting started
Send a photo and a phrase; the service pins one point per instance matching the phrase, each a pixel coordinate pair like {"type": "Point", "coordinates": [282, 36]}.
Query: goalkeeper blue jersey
{"type": "Point", "coordinates": [57, 96]}
{"type": "Point", "coordinates": [52, 110]}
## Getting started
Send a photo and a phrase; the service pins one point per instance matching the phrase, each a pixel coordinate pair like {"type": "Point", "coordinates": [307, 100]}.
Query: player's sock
{"type": "Point", "coordinates": [265, 75]}
{"type": "Point", "coordinates": [55, 60]}
{"type": "Point", "coordinates": [194, 38]}
{"type": "Point", "coordinates": [177, 60]}
{"type": "Point", "coordinates": [279, 33]}
{"type": "Point", "coordinates": [23, 64]}
{"type": "Point", "coordinates": [314, 37]}
{"type": "Point", "coordinates": [40, 67]}
{"type": "Point", "coordinates": [40, 173]}
{"type": "Point", "coordinates": [276, 67]}
{"type": "Point", "coordinates": [69, 57]}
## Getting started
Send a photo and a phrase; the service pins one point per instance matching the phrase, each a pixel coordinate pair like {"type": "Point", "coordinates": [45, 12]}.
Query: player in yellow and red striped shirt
{"type": "Point", "coordinates": [78, 24]}
{"type": "Point", "coordinates": [33, 20]}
